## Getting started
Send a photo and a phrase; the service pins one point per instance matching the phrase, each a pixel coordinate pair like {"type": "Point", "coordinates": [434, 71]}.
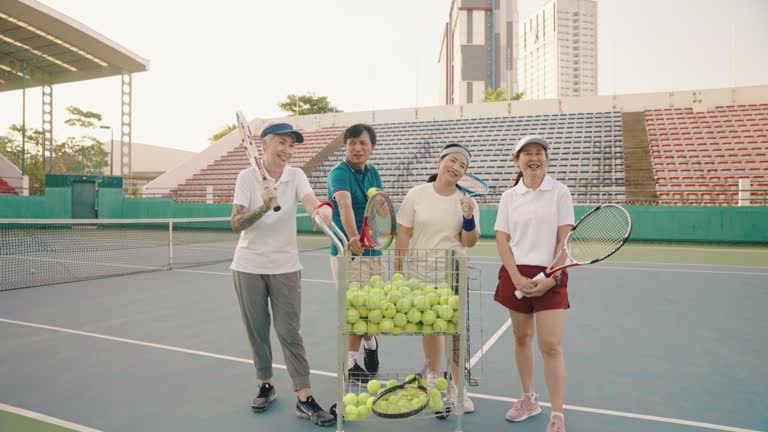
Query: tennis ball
{"type": "Point", "coordinates": [363, 411]}
{"type": "Point", "coordinates": [435, 394]}
{"type": "Point", "coordinates": [350, 399]}
{"type": "Point", "coordinates": [428, 317]}
{"type": "Point", "coordinates": [373, 329]}
{"type": "Point", "coordinates": [388, 310]}
{"type": "Point", "coordinates": [374, 386]}
{"type": "Point", "coordinates": [445, 312]}
{"type": "Point", "coordinates": [436, 404]}
{"type": "Point", "coordinates": [396, 331]}
{"type": "Point", "coordinates": [392, 383]}
{"type": "Point", "coordinates": [350, 412]}
{"type": "Point", "coordinates": [453, 301]}
{"type": "Point", "coordinates": [400, 320]}
{"type": "Point", "coordinates": [372, 191]}
{"type": "Point", "coordinates": [360, 328]}
{"type": "Point", "coordinates": [440, 325]}
{"type": "Point", "coordinates": [441, 384]}
{"type": "Point", "coordinates": [353, 316]}
{"type": "Point", "coordinates": [362, 398]}
{"type": "Point", "coordinates": [34, 270]}
{"type": "Point", "coordinates": [386, 325]}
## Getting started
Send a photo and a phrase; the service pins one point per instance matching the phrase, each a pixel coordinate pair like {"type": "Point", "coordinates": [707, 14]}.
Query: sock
{"type": "Point", "coordinates": [351, 359]}
{"type": "Point", "coordinates": [556, 413]}
{"type": "Point", "coordinates": [371, 344]}
{"type": "Point", "coordinates": [530, 396]}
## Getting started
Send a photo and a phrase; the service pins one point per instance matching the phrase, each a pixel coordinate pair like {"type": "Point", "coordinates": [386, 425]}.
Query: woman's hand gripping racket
{"type": "Point", "coordinates": [412, 391]}
{"type": "Point", "coordinates": [253, 149]}
{"type": "Point", "coordinates": [472, 186]}
{"type": "Point", "coordinates": [596, 236]}
{"type": "Point", "coordinates": [378, 230]}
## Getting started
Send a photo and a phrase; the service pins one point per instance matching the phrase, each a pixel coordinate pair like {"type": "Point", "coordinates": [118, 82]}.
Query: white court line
{"type": "Point", "coordinates": [46, 419]}
{"type": "Point", "coordinates": [331, 374]}
{"type": "Point", "coordinates": [478, 355]}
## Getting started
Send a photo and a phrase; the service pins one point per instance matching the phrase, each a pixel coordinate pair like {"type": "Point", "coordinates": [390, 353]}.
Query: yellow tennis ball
{"type": "Point", "coordinates": [372, 191]}
{"type": "Point", "coordinates": [34, 270]}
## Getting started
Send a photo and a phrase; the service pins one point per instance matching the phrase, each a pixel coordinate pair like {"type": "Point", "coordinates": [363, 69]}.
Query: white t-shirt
{"type": "Point", "coordinates": [269, 246]}
{"type": "Point", "coordinates": [531, 218]}
{"type": "Point", "coordinates": [437, 223]}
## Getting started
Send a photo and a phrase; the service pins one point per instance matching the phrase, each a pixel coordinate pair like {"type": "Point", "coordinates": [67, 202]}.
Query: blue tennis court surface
{"type": "Point", "coordinates": [648, 346]}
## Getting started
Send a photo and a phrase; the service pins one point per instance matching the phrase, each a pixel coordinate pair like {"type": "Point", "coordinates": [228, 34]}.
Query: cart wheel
{"type": "Point", "coordinates": [332, 410]}
{"type": "Point", "coordinates": [443, 413]}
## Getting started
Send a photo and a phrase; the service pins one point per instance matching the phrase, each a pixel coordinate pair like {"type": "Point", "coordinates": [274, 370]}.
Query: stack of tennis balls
{"type": "Point", "coordinates": [398, 306]}
{"type": "Point", "coordinates": [357, 406]}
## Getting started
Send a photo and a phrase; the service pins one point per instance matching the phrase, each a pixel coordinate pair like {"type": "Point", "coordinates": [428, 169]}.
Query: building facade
{"type": "Point", "coordinates": [478, 50]}
{"type": "Point", "coordinates": [558, 50]}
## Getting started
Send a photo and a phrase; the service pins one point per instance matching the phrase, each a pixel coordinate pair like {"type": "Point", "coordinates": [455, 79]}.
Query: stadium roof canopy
{"type": "Point", "coordinates": [40, 46]}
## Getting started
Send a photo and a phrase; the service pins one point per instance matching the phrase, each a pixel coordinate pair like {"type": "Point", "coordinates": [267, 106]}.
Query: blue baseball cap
{"type": "Point", "coordinates": [280, 129]}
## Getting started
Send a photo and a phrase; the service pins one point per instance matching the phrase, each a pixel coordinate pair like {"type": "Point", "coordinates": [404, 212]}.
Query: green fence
{"type": "Point", "coordinates": [699, 224]}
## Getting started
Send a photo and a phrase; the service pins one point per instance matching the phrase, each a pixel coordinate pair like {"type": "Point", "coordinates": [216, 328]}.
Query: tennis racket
{"type": "Point", "coordinates": [378, 229]}
{"type": "Point", "coordinates": [252, 148]}
{"type": "Point", "coordinates": [410, 389]}
{"type": "Point", "coordinates": [596, 236]}
{"type": "Point", "coordinates": [472, 186]}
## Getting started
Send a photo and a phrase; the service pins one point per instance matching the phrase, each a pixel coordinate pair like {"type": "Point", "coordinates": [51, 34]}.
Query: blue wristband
{"type": "Point", "coordinates": [468, 224]}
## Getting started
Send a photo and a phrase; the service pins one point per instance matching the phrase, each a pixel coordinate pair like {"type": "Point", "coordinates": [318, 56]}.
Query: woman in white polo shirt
{"type": "Point", "coordinates": [431, 217]}
{"type": "Point", "coordinates": [533, 220]}
{"type": "Point", "coordinates": [266, 266]}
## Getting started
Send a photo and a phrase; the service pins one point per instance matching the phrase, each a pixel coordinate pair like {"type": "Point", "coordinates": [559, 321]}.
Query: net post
{"type": "Point", "coordinates": [170, 244]}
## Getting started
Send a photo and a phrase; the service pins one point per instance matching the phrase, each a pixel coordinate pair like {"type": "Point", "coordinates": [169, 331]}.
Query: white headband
{"type": "Point", "coordinates": [455, 149]}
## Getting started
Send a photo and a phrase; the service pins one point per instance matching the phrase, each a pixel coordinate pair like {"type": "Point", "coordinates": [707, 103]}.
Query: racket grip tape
{"type": "Point", "coordinates": [519, 294]}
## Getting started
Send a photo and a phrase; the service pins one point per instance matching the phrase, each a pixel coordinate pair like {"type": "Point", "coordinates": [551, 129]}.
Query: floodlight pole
{"type": "Point", "coordinates": [23, 118]}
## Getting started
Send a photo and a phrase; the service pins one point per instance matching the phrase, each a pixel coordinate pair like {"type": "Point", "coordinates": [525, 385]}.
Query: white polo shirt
{"type": "Point", "coordinates": [531, 218]}
{"type": "Point", "coordinates": [269, 246]}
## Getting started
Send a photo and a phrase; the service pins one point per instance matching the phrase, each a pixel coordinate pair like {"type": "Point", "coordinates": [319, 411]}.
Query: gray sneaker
{"type": "Point", "coordinates": [267, 394]}
{"type": "Point", "coordinates": [311, 410]}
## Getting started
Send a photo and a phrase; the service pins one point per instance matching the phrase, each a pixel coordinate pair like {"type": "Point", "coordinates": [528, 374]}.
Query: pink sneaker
{"type": "Point", "coordinates": [527, 406]}
{"type": "Point", "coordinates": [556, 423]}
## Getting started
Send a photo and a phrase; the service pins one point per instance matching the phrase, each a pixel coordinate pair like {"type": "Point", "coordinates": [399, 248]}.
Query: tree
{"type": "Point", "coordinates": [307, 104]}
{"type": "Point", "coordinates": [221, 133]}
{"type": "Point", "coordinates": [83, 155]}
{"type": "Point", "coordinates": [498, 95]}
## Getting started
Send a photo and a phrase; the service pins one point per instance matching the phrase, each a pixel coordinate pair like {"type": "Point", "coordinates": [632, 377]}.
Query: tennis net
{"type": "Point", "coordinates": [35, 252]}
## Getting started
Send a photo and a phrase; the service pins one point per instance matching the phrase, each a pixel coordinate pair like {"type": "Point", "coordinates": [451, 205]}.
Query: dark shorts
{"type": "Point", "coordinates": [555, 298]}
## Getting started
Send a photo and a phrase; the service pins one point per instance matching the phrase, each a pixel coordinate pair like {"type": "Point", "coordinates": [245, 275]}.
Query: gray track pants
{"type": "Point", "coordinates": [284, 294]}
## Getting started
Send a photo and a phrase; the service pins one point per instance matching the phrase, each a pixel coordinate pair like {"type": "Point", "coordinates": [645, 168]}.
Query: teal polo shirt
{"type": "Point", "coordinates": [357, 182]}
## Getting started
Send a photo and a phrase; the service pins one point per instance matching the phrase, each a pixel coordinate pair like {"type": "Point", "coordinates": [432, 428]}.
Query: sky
{"type": "Point", "coordinates": [211, 59]}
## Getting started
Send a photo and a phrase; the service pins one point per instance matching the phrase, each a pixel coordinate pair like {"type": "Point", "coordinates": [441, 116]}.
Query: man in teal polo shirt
{"type": "Point", "coordinates": [348, 183]}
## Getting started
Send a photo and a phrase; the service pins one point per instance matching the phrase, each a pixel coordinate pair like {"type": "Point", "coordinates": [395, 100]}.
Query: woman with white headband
{"type": "Point", "coordinates": [437, 216]}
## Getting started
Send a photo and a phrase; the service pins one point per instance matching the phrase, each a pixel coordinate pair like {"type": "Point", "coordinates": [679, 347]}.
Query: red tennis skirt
{"type": "Point", "coordinates": [555, 298]}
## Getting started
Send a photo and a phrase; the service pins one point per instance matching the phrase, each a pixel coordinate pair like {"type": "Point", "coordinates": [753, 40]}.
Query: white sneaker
{"type": "Point", "coordinates": [466, 402]}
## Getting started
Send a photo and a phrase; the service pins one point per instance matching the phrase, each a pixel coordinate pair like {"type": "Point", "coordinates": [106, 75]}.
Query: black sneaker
{"type": "Point", "coordinates": [358, 374]}
{"type": "Point", "coordinates": [265, 397]}
{"type": "Point", "coordinates": [310, 410]}
{"type": "Point", "coordinates": [371, 358]}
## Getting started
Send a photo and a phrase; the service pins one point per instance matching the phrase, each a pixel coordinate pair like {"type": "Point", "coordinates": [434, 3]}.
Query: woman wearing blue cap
{"type": "Point", "coordinates": [266, 266]}
{"type": "Point", "coordinates": [532, 223]}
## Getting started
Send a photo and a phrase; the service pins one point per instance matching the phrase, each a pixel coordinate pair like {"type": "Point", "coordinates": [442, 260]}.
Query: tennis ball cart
{"type": "Point", "coordinates": [400, 294]}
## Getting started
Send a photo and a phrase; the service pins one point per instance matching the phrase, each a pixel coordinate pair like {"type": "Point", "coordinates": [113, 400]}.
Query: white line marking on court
{"type": "Point", "coordinates": [626, 414]}
{"type": "Point", "coordinates": [478, 355]}
{"type": "Point", "coordinates": [334, 375]}
{"type": "Point", "coordinates": [46, 419]}
{"type": "Point", "coordinates": [153, 345]}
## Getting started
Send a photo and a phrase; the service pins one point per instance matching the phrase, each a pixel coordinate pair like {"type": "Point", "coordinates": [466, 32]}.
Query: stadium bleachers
{"type": "Point", "coordinates": [222, 174]}
{"type": "Point", "coordinates": [699, 157]}
{"type": "Point", "coordinates": [6, 189]}
{"type": "Point", "coordinates": [587, 152]}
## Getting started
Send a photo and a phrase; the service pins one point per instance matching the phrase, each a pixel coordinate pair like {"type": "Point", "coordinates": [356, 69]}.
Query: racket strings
{"type": "Point", "coordinates": [380, 220]}
{"type": "Point", "coordinates": [599, 235]}
{"type": "Point", "coordinates": [473, 186]}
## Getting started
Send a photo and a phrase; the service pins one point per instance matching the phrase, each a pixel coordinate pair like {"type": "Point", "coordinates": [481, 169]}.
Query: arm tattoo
{"type": "Point", "coordinates": [242, 219]}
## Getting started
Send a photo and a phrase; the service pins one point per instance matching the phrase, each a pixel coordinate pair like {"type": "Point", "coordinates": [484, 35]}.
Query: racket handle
{"type": "Point", "coordinates": [519, 294]}
{"type": "Point", "coordinates": [276, 208]}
